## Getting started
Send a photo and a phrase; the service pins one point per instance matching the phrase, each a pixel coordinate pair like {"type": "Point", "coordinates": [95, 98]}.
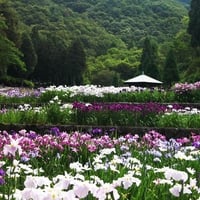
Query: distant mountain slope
{"type": "Point", "coordinates": [126, 20]}
{"type": "Point", "coordinates": [51, 18]}
{"type": "Point", "coordinates": [132, 20]}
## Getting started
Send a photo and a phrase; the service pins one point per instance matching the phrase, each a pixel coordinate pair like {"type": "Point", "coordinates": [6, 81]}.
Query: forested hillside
{"type": "Point", "coordinates": [87, 41]}
{"type": "Point", "coordinates": [131, 20]}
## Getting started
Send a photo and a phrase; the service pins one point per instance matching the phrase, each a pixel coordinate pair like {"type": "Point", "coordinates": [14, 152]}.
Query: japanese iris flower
{"type": "Point", "coordinates": [178, 188]}
{"type": "Point", "coordinates": [12, 148]}
{"type": "Point", "coordinates": [176, 175]}
{"type": "Point", "coordinates": [81, 189]}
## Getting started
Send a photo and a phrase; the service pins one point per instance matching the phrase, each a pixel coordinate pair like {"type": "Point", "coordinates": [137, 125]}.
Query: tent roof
{"type": "Point", "coordinates": [143, 79]}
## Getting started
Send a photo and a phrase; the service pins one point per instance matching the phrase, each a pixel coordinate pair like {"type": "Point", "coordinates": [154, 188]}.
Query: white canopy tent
{"type": "Point", "coordinates": [143, 80]}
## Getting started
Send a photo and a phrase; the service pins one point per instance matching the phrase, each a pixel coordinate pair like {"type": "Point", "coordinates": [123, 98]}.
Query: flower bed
{"type": "Point", "coordinates": [147, 114]}
{"type": "Point", "coordinates": [78, 165]}
{"type": "Point", "coordinates": [100, 163]}
{"type": "Point", "coordinates": [92, 93]}
{"type": "Point", "coordinates": [103, 114]}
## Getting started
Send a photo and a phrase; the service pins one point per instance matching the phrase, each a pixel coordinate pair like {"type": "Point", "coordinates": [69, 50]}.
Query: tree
{"type": "Point", "coordinates": [29, 57]}
{"type": "Point", "coordinates": [183, 50]}
{"type": "Point", "coordinates": [28, 50]}
{"type": "Point", "coordinates": [76, 63]}
{"type": "Point", "coordinates": [9, 54]}
{"type": "Point", "coordinates": [106, 78]}
{"type": "Point", "coordinates": [12, 22]}
{"type": "Point", "coordinates": [125, 70]}
{"type": "Point", "coordinates": [170, 71]}
{"type": "Point", "coordinates": [194, 23]}
{"type": "Point", "coordinates": [49, 48]}
{"type": "Point", "coordinates": [149, 59]}
{"type": "Point", "coordinates": [192, 74]}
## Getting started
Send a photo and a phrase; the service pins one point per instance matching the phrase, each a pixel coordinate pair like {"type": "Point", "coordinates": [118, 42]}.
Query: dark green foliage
{"type": "Point", "coordinates": [129, 20]}
{"type": "Point", "coordinates": [123, 61]}
{"type": "Point", "coordinates": [29, 58]}
{"type": "Point", "coordinates": [51, 52]}
{"type": "Point", "coordinates": [149, 59]}
{"type": "Point", "coordinates": [75, 63]}
{"type": "Point", "coordinates": [9, 54]}
{"type": "Point", "coordinates": [133, 20]}
{"type": "Point", "coordinates": [183, 50]}
{"type": "Point", "coordinates": [194, 23]}
{"type": "Point", "coordinates": [170, 71]}
{"type": "Point", "coordinates": [105, 78]}
{"type": "Point", "coordinates": [193, 72]}
{"type": "Point", "coordinates": [14, 82]}
{"type": "Point", "coordinates": [59, 19]}
{"type": "Point", "coordinates": [57, 63]}
{"type": "Point", "coordinates": [125, 70]}
{"type": "Point", "coordinates": [102, 27]}
{"type": "Point", "coordinates": [12, 22]}
{"type": "Point", "coordinates": [28, 50]}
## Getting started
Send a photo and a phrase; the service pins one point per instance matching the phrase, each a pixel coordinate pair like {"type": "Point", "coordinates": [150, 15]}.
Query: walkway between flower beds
{"type": "Point", "coordinates": [98, 130]}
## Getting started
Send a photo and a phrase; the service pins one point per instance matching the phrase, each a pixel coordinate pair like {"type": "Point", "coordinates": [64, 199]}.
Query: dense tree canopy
{"type": "Point", "coordinates": [51, 52]}
{"type": "Point", "coordinates": [170, 71]}
{"type": "Point", "coordinates": [133, 20]}
{"type": "Point", "coordinates": [194, 23]}
{"type": "Point", "coordinates": [149, 59]}
{"type": "Point", "coordinates": [76, 63]}
{"type": "Point", "coordinates": [9, 53]}
{"type": "Point", "coordinates": [110, 39]}
{"type": "Point", "coordinates": [30, 56]}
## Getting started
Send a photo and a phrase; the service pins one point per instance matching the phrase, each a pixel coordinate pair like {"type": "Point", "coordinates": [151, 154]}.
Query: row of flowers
{"type": "Point", "coordinates": [100, 91]}
{"type": "Point", "coordinates": [92, 93]}
{"type": "Point", "coordinates": [114, 114]}
{"type": "Point", "coordinates": [78, 165]}
{"type": "Point", "coordinates": [185, 87]}
{"type": "Point", "coordinates": [94, 90]}
{"type": "Point", "coordinates": [149, 107]}
{"type": "Point", "coordinates": [147, 114]}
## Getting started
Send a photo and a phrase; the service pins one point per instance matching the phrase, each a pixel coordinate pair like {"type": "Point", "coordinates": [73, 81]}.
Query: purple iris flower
{"type": "Point", "coordinates": [2, 172]}
{"type": "Point", "coordinates": [32, 135]}
{"type": "Point", "coordinates": [196, 144]}
{"type": "Point", "coordinates": [55, 131]}
{"type": "Point", "coordinates": [96, 131]}
{"type": "Point", "coordinates": [2, 181]}
{"type": "Point", "coordinates": [25, 159]}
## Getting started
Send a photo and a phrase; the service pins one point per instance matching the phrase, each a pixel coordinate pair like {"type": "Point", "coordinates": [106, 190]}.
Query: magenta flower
{"type": "Point", "coordinates": [2, 174]}
{"type": "Point", "coordinates": [183, 140]}
{"type": "Point", "coordinates": [12, 148]}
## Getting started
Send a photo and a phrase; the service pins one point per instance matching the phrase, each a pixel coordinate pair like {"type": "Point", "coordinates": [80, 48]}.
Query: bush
{"type": "Point", "coordinates": [15, 82]}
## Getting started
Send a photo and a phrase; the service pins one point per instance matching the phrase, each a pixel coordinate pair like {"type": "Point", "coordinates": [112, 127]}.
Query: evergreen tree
{"type": "Point", "coordinates": [194, 23]}
{"type": "Point", "coordinates": [106, 78]}
{"type": "Point", "coordinates": [170, 71]}
{"type": "Point", "coordinates": [125, 70]}
{"type": "Point", "coordinates": [76, 63]}
{"type": "Point", "coordinates": [30, 57]}
{"type": "Point", "coordinates": [9, 54]}
{"type": "Point", "coordinates": [40, 49]}
{"type": "Point", "coordinates": [149, 59]}
{"type": "Point", "coordinates": [12, 22]}
{"type": "Point", "coordinates": [51, 52]}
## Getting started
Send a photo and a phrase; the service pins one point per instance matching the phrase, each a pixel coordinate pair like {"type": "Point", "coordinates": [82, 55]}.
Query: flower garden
{"type": "Point", "coordinates": [98, 161]}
